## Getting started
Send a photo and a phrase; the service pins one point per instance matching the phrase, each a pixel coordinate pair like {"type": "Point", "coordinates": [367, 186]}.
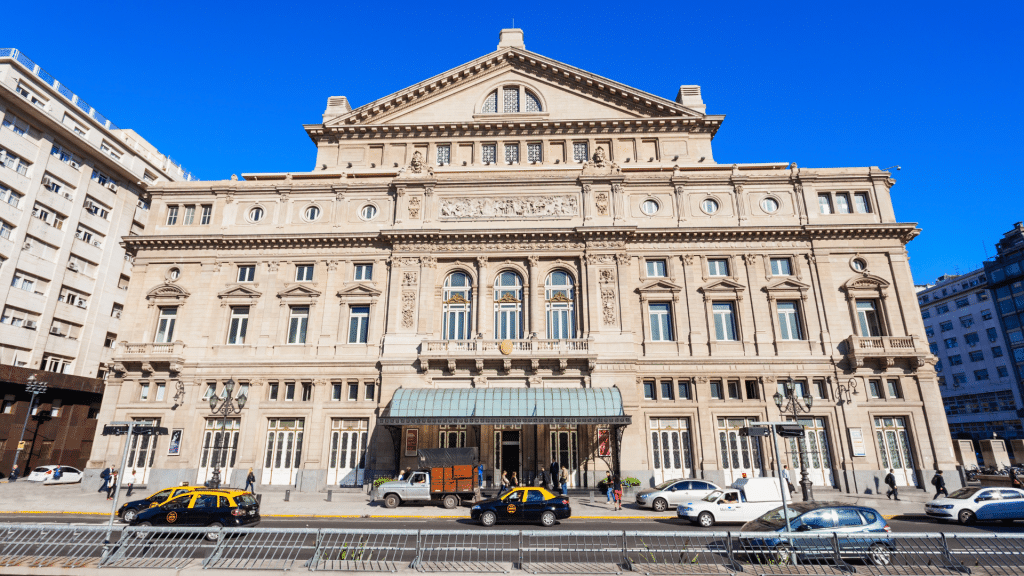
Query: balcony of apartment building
{"type": "Point", "coordinates": [148, 357]}
{"type": "Point", "coordinates": [527, 353]}
{"type": "Point", "coordinates": [884, 351]}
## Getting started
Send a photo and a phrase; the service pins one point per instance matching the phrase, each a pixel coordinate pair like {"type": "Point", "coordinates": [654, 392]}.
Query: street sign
{"type": "Point", "coordinates": [21, 445]}
{"type": "Point", "coordinates": [122, 429]}
{"type": "Point", "coordinates": [789, 430]}
{"type": "Point", "coordinates": [115, 430]}
{"type": "Point", "coordinates": [756, 431]}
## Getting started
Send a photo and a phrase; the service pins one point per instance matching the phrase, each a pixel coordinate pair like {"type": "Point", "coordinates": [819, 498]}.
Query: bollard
{"type": "Point", "coordinates": [259, 499]}
{"type": "Point", "coordinates": [287, 495]}
{"type": "Point", "coordinates": [329, 492]}
{"type": "Point", "coordinates": [591, 496]}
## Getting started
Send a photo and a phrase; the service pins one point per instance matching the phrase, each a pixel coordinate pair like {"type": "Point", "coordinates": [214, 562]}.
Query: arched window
{"type": "Point", "coordinates": [511, 100]}
{"type": "Point", "coordinates": [508, 306]}
{"type": "Point", "coordinates": [559, 296]}
{"type": "Point", "coordinates": [458, 299]}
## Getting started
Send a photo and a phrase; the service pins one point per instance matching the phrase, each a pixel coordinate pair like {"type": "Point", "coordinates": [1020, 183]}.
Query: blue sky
{"type": "Point", "coordinates": [225, 87]}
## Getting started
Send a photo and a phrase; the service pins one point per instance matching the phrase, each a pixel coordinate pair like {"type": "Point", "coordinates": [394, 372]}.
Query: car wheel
{"type": "Point", "coordinates": [966, 517]}
{"type": "Point", "coordinates": [548, 518]}
{"type": "Point", "coordinates": [144, 535]}
{"type": "Point", "coordinates": [488, 519]}
{"type": "Point", "coordinates": [879, 554]}
{"type": "Point", "coordinates": [214, 535]}
{"type": "Point", "coordinates": [392, 501]}
{"type": "Point", "coordinates": [659, 505]}
{"type": "Point", "coordinates": [450, 501]}
{"type": "Point", "coordinates": [784, 554]}
{"type": "Point", "coordinates": [706, 519]}
{"type": "Point", "coordinates": [130, 515]}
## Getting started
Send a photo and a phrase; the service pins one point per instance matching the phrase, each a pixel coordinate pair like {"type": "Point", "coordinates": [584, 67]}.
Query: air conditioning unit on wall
{"type": "Point", "coordinates": [55, 330]}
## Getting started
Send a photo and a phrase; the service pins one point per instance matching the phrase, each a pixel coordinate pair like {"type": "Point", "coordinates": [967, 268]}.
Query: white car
{"type": "Point", "coordinates": [970, 505]}
{"type": "Point", "coordinates": [44, 474]}
{"type": "Point", "coordinates": [672, 493]}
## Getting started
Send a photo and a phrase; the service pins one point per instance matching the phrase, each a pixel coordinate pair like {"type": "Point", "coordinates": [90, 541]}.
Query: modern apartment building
{"type": "Point", "coordinates": [71, 185]}
{"type": "Point", "coordinates": [1006, 279]}
{"type": "Point", "coordinates": [976, 373]}
{"type": "Point", "coordinates": [531, 259]}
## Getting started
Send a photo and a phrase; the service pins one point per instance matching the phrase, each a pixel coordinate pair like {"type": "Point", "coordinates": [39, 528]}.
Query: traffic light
{"type": "Point", "coordinates": [755, 431]}
{"type": "Point", "coordinates": [789, 430]}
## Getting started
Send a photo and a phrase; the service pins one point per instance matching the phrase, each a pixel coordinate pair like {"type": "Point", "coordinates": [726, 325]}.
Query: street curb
{"type": "Point", "coordinates": [385, 517]}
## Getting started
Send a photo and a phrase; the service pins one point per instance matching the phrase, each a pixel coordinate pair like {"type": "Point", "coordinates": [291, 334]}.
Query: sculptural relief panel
{"type": "Point", "coordinates": [554, 206]}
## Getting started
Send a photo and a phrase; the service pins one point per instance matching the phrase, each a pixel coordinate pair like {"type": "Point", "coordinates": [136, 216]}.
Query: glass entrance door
{"type": "Point", "coordinates": [741, 455]}
{"type": "Point", "coordinates": [565, 450]}
{"type": "Point", "coordinates": [507, 455]}
{"type": "Point", "coordinates": [670, 449]}
{"type": "Point", "coordinates": [219, 449]}
{"type": "Point", "coordinates": [894, 448]}
{"type": "Point", "coordinates": [815, 445]}
{"type": "Point", "coordinates": [284, 452]}
{"type": "Point", "coordinates": [348, 452]}
{"type": "Point", "coordinates": [141, 453]}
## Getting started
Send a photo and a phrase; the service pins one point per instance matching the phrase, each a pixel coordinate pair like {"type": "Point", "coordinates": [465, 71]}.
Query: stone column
{"type": "Point", "coordinates": [482, 298]}
{"type": "Point", "coordinates": [535, 298]}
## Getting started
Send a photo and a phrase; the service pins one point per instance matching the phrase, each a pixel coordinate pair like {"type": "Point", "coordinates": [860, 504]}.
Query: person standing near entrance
{"type": "Point", "coordinates": [132, 478]}
{"type": "Point", "coordinates": [606, 487]}
{"type": "Point", "coordinates": [940, 484]}
{"type": "Point", "coordinates": [14, 474]}
{"type": "Point", "coordinates": [250, 481]}
{"type": "Point", "coordinates": [785, 475]}
{"type": "Point", "coordinates": [504, 481]}
{"type": "Point", "coordinates": [480, 474]}
{"type": "Point", "coordinates": [113, 484]}
{"type": "Point", "coordinates": [563, 481]}
{"type": "Point", "coordinates": [890, 481]}
{"type": "Point", "coordinates": [553, 472]}
{"type": "Point", "coordinates": [514, 482]}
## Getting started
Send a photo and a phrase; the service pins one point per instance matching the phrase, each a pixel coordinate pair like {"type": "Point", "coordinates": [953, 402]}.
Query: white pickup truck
{"type": "Point", "coordinates": [745, 500]}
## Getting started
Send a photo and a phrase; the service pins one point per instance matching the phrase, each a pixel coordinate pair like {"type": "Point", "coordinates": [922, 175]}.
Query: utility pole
{"type": "Point", "coordinates": [33, 388]}
{"type": "Point", "coordinates": [121, 429]}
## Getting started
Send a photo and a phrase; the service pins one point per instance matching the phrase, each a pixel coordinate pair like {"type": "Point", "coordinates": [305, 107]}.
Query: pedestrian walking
{"type": "Point", "coordinates": [14, 474]}
{"type": "Point", "coordinates": [617, 487]}
{"type": "Point", "coordinates": [504, 482]}
{"type": "Point", "coordinates": [132, 478]}
{"type": "Point", "coordinates": [105, 476]}
{"type": "Point", "coordinates": [514, 481]}
{"type": "Point", "coordinates": [250, 481]}
{"type": "Point", "coordinates": [553, 473]}
{"type": "Point", "coordinates": [563, 481]}
{"type": "Point", "coordinates": [940, 484]}
{"type": "Point", "coordinates": [890, 481]}
{"type": "Point", "coordinates": [113, 484]}
{"type": "Point", "coordinates": [606, 487]}
{"type": "Point", "coordinates": [789, 483]}
{"type": "Point", "coordinates": [480, 474]}
{"type": "Point", "coordinates": [57, 473]}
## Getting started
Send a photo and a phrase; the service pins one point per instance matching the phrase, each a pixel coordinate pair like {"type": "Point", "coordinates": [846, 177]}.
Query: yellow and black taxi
{"type": "Point", "coordinates": [204, 507]}
{"type": "Point", "coordinates": [523, 505]}
{"type": "Point", "coordinates": [129, 510]}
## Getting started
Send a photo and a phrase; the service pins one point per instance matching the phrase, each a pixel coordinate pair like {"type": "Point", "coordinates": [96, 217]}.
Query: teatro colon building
{"type": "Point", "coordinates": [524, 257]}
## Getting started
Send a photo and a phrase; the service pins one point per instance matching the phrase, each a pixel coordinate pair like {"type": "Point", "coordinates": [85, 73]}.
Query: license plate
{"type": "Point", "coordinates": [252, 512]}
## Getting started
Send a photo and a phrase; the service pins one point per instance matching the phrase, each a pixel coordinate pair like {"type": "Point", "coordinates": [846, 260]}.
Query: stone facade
{"type": "Point", "coordinates": [519, 223]}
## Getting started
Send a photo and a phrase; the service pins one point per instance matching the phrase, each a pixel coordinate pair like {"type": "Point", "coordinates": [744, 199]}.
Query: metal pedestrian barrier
{"type": "Point", "coordinates": [487, 550]}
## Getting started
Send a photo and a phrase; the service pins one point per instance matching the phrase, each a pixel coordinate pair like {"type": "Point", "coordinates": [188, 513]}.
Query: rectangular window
{"type": "Point", "coordinates": [511, 153]}
{"type": "Point", "coordinates": [982, 296]}
{"type": "Point", "coordinates": [533, 153]}
{"type": "Point", "coordinates": [716, 390]}
{"type": "Point", "coordinates": [667, 392]}
{"type": "Point", "coordinates": [5, 230]}
{"type": "Point", "coordinates": [289, 391]}
{"type": "Point", "coordinates": [951, 343]}
{"type": "Point", "coordinates": [335, 392]}
{"type": "Point", "coordinates": [992, 334]}
{"type": "Point", "coordinates": [967, 321]}
{"type": "Point", "coordinates": [734, 390]}
{"type": "Point", "coordinates": [946, 326]}
{"type": "Point", "coordinates": [490, 153]}
{"type": "Point", "coordinates": [144, 391]}
{"type": "Point", "coordinates": [875, 388]}
{"type": "Point", "coordinates": [997, 351]}
{"type": "Point", "coordinates": [55, 364]}
{"type": "Point", "coordinates": [648, 389]}
{"type": "Point", "coordinates": [684, 390]}
{"type": "Point", "coordinates": [165, 324]}
{"type": "Point", "coordinates": [274, 389]}
{"type": "Point", "coordinates": [307, 392]}
{"type": "Point", "coordinates": [718, 267]}
{"type": "Point", "coordinates": [364, 272]}
{"type": "Point", "coordinates": [371, 391]}
{"type": "Point", "coordinates": [861, 203]}
{"type": "Point", "coordinates": [579, 152]}
{"type": "Point", "coordinates": [929, 331]}
{"type": "Point", "coordinates": [977, 356]}
{"type": "Point", "coordinates": [960, 378]}
{"type": "Point", "coordinates": [753, 393]}
{"type": "Point", "coordinates": [207, 214]}
{"type": "Point", "coordinates": [304, 273]}
{"type": "Point", "coordinates": [656, 269]}
{"type": "Point", "coordinates": [189, 216]}
{"type": "Point", "coordinates": [246, 273]}
{"type": "Point", "coordinates": [893, 387]}
{"type": "Point", "coordinates": [789, 321]}
{"type": "Point", "coordinates": [925, 314]}
{"type": "Point", "coordinates": [161, 390]}
{"type": "Point", "coordinates": [444, 154]}
{"type": "Point", "coordinates": [239, 323]}
{"type": "Point", "coordinates": [963, 302]}
{"type": "Point", "coordinates": [867, 318]}
{"type": "Point", "coordinates": [971, 338]}
{"type": "Point", "coordinates": [725, 321]}
{"type": "Point", "coordinates": [14, 124]}
{"type": "Point", "coordinates": [955, 360]}
{"type": "Point", "coordinates": [942, 309]}
{"type": "Point", "coordinates": [980, 375]}
{"type": "Point", "coordinates": [359, 324]}
{"type": "Point", "coordinates": [824, 204]}
{"type": "Point", "coordinates": [172, 215]}
{"type": "Point", "coordinates": [842, 203]}
{"type": "Point", "coordinates": [1002, 371]}
{"type": "Point", "coordinates": [353, 392]}
{"type": "Point", "coordinates": [781, 267]}
{"type": "Point", "coordinates": [820, 390]}
{"type": "Point", "coordinates": [298, 321]}
{"type": "Point", "coordinates": [661, 322]}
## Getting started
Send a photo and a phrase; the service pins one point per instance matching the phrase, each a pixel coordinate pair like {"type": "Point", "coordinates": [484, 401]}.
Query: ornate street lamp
{"type": "Point", "coordinates": [792, 403]}
{"type": "Point", "coordinates": [225, 408]}
{"type": "Point", "coordinates": [34, 388]}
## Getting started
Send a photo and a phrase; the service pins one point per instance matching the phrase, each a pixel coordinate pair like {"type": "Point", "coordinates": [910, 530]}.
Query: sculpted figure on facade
{"type": "Point", "coordinates": [553, 206]}
{"type": "Point", "coordinates": [599, 164]}
{"type": "Point", "coordinates": [414, 206]}
{"type": "Point", "coordinates": [601, 202]}
{"type": "Point", "coordinates": [408, 308]}
{"type": "Point", "coordinates": [608, 305]}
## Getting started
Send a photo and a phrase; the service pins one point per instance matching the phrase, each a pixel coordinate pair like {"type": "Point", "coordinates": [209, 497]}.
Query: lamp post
{"type": "Point", "coordinates": [224, 408]}
{"type": "Point", "coordinates": [792, 403]}
{"type": "Point", "coordinates": [33, 388]}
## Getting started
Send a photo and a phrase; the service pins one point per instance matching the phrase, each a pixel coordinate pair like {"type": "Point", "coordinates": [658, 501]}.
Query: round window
{"type": "Point", "coordinates": [174, 273]}
{"type": "Point", "coordinates": [368, 212]}
{"type": "Point", "coordinates": [709, 205]}
{"type": "Point", "coordinates": [312, 213]}
{"type": "Point", "coordinates": [859, 264]}
{"type": "Point", "coordinates": [256, 214]}
{"type": "Point", "coordinates": [649, 207]}
{"type": "Point", "coordinates": [770, 205]}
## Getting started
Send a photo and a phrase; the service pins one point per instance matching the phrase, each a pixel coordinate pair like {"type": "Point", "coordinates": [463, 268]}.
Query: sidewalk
{"type": "Point", "coordinates": [34, 498]}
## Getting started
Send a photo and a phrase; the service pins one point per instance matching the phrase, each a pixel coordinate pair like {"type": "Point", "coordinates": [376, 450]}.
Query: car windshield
{"type": "Point", "coordinates": [665, 484]}
{"type": "Point", "coordinates": [714, 496]}
{"type": "Point", "coordinates": [775, 519]}
{"type": "Point", "coordinates": [963, 493]}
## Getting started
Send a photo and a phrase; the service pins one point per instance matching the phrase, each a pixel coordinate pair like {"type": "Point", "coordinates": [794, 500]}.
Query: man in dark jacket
{"type": "Point", "coordinates": [940, 484]}
{"type": "Point", "coordinates": [890, 481]}
{"type": "Point", "coordinates": [105, 475]}
{"type": "Point", "coordinates": [553, 471]}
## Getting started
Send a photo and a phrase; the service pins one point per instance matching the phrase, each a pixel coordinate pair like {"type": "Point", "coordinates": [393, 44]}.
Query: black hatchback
{"type": "Point", "coordinates": [523, 505]}
{"type": "Point", "coordinates": [214, 508]}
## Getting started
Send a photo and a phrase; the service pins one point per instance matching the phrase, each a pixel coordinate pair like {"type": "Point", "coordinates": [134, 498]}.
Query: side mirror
{"type": "Point", "coordinates": [803, 528]}
{"type": "Point", "coordinates": [672, 489]}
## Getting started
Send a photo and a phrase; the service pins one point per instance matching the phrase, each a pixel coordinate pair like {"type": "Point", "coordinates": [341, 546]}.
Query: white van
{"type": "Point", "coordinates": [746, 500]}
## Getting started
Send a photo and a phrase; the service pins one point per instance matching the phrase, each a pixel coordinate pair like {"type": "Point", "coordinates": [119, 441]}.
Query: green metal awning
{"type": "Point", "coordinates": [505, 406]}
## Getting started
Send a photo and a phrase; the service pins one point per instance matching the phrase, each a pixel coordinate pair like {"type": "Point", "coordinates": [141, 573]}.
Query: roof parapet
{"type": "Point", "coordinates": [689, 96]}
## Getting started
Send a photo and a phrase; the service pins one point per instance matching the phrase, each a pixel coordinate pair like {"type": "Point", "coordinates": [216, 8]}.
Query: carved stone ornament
{"type": "Point", "coordinates": [702, 380]}
{"type": "Point", "coordinates": [118, 368]}
{"type": "Point", "coordinates": [320, 382]}
{"type": "Point", "coordinates": [428, 262]}
{"type": "Point", "coordinates": [594, 259]}
{"type": "Point", "coordinates": [750, 259]}
{"type": "Point", "coordinates": [607, 277]}
{"type": "Point", "coordinates": [608, 305]}
{"type": "Point", "coordinates": [507, 299]}
{"type": "Point", "coordinates": [533, 260]}
{"type": "Point", "coordinates": [457, 299]}
{"type": "Point", "coordinates": [622, 259]}
{"type": "Point", "coordinates": [599, 164]}
{"type": "Point", "coordinates": [408, 308]}
{"type": "Point", "coordinates": [479, 381]}
{"type": "Point", "coordinates": [601, 203]}
{"type": "Point", "coordinates": [414, 207]}
{"type": "Point", "coordinates": [768, 381]}
{"type": "Point", "coordinates": [517, 207]}
{"type": "Point", "coordinates": [176, 367]}
{"type": "Point", "coordinates": [408, 278]}
{"type": "Point", "coordinates": [687, 259]}
{"type": "Point", "coordinates": [535, 382]}
{"type": "Point", "coordinates": [417, 167]}
{"type": "Point", "coordinates": [332, 265]}
{"type": "Point", "coordinates": [147, 367]}
{"type": "Point", "coordinates": [404, 261]}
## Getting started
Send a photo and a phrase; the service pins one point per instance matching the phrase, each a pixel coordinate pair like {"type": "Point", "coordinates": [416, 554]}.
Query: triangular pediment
{"type": "Point", "coordinates": [723, 285]}
{"type": "Point", "coordinates": [299, 291]}
{"type": "Point", "coordinates": [167, 290]}
{"type": "Point", "coordinates": [566, 93]}
{"type": "Point", "coordinates": [866, 282]}
{"type": "Point", "coordinates": [239, 291]}
{"type": "Point", "coordinates": [787, 284]}
{"type": "Point", "coordinates": [359, 290]}
{"type": "Point", "coordinates": [659, 285]}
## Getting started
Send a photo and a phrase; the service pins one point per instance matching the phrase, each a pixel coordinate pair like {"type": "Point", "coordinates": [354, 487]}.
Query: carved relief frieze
{"type": "Point", "coordinates": [408, 308]}
{"type": "Point", "coordinates": [414, 207]}
{"type": "Point", "coordinates": [608, 305]}
{"type": "Point", "coordinates": [607, 277]}
{"type": "Point", "coordinates": [408, 279]}
{"type": "Point", "coordinates": [553, 206]}
{"type": "Point", "coordinates": [601, 203]}
{"type": "Point", "coordinates": [428, 262]}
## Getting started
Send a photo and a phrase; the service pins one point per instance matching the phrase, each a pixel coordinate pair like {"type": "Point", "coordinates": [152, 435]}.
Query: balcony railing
{"type": "Point", "coordinates": [145, 356]}
{"type": "Point", "coordinates": [151, 348]}
{"type": "Point", "coordinates": [884, 348]}
{"type": "Point", "coordinates": [480, 347]}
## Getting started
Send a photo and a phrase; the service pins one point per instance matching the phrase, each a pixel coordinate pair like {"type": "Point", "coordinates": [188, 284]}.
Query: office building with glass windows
{"type": "Point", "coordinates": [528, 258]}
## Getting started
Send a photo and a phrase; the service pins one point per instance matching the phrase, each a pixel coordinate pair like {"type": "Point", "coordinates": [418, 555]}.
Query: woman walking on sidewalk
{"type": "Point", "coordinates": [250, 481]}
{"type": "Point", "coordinates": [617, 487]}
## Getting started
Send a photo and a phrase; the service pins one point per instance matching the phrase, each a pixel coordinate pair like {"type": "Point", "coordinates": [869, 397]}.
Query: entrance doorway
{"type": "Point", "coordinates": [507, 454]}
{"type": "Point", "coordinates": [216, 454]}
{"type": "Point", "coordinates": [348, 452]}
{"type": "Point", "coordinates": [815, 444]}
{"type": "Point", "coordinates": [565, 450]}
{"type": "Point", "coordinates": [894, 448]}
{"type": "Point", "coordinates": [140, 454]}
{"type": "Point", "coordinates": [284, 452]}
{"type": "Point", "coordinates": [670, 449]}
{"type": "Point", "coordinates": [741, 455]}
